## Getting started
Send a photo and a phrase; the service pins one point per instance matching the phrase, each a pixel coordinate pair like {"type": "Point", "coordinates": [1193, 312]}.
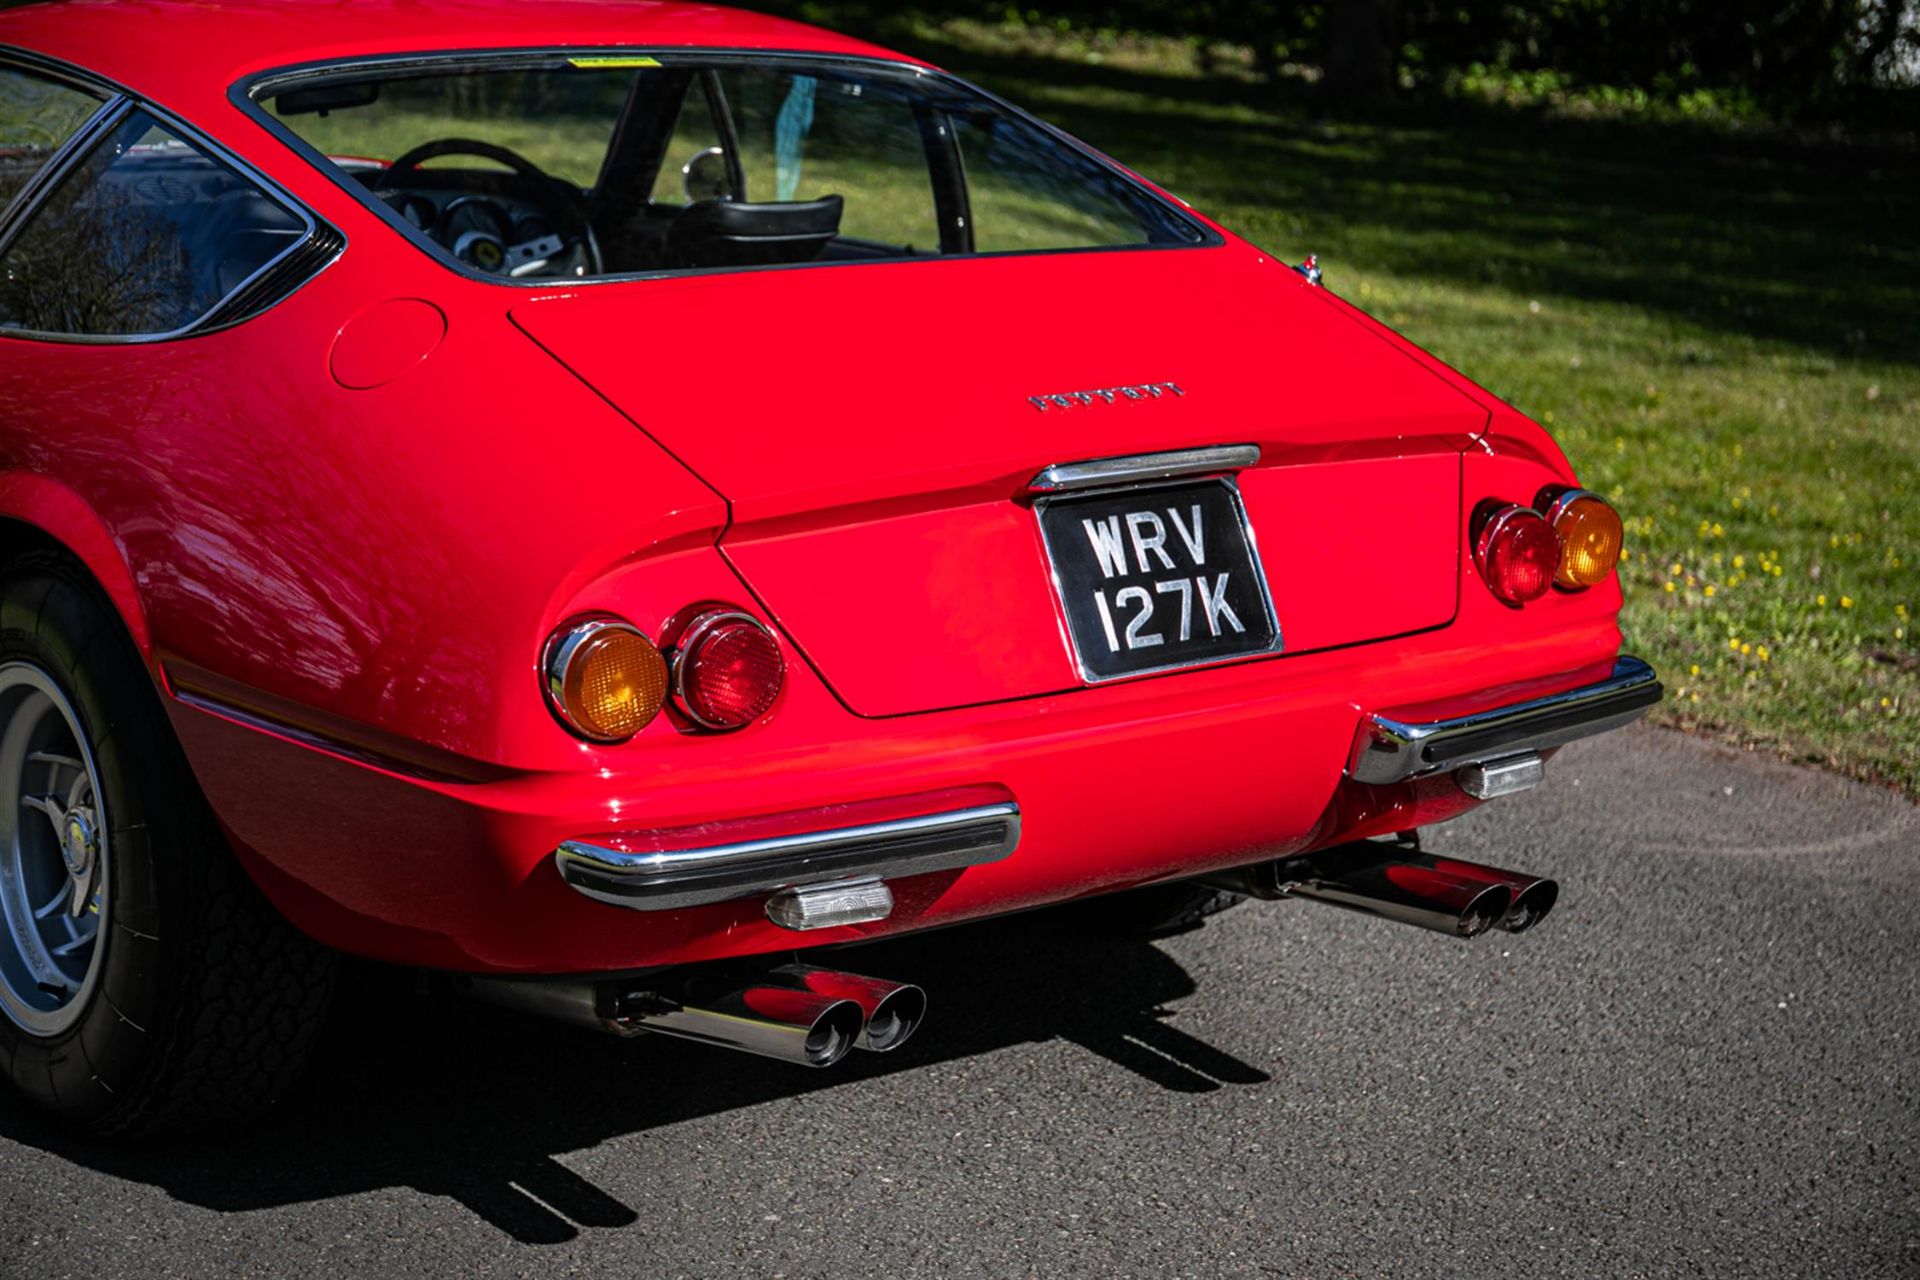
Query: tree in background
{"type": "Point", "coordinates": [1357, 55]}
{"type": "Point", "coordinates": [1785, 55]}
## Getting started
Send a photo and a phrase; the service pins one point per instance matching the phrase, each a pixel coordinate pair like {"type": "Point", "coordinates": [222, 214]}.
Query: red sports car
{"type": "Point", "coordinates": [593, 499]}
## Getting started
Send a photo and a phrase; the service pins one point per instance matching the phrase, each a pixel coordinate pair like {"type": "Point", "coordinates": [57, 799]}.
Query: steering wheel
{"type": "Point", "coordinates": [559, 200]}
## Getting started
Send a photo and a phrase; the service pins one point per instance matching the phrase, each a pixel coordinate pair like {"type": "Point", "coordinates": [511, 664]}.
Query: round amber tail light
{"type": "Point", "coordinates": [727, 670]}
{"type": "Point", "coordinates": [1518, 554]}
{"type": "Point", "coordinates": [1590, 537]}
{"type": "Point", "coordinates": [604, 679]}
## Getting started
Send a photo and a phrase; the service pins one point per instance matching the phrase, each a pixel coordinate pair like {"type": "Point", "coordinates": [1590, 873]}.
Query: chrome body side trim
{"type": "Point", "coordinates": [669, 879]}
{"type": "Point", "coordinates": [1063, 477]}
{"type": "Point", "coordinates": [1386, 750]}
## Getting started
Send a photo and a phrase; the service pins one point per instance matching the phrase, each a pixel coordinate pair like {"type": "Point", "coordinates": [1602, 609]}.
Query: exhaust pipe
{"type": "Point", "coordinates": [893, 1010]}
{"type": "Point", "coordinates": [767, 1018]}
{"type": "Point", "coordinates": [1533, 896]}
{"type": "Point", "coordinates": [1388, 881]}
{"type": "Point", "coordinates": [771, 1021]}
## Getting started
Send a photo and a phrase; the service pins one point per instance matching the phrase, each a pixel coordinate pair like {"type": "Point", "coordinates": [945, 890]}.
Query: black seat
{"type": "Point", "coordinates": [727, 233]}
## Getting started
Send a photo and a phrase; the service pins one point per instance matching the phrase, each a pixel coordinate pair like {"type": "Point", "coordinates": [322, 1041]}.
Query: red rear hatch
{"type": "Point", "coordinates": [873, 430]}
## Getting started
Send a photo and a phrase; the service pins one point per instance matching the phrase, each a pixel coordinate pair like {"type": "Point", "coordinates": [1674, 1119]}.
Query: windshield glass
{"type": "Point", "coordinates": [628, 164]}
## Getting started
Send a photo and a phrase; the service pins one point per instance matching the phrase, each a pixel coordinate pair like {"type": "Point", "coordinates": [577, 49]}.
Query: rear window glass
{"type": "Point", "coordinates": [36, 117]}
{"type": "Point", "coordinates": [145, 235]}
{"type": "Point", "coordinates": [629, 164]}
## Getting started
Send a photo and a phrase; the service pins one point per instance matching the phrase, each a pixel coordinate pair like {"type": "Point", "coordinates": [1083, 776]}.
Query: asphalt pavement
{"type": "Point", "coordinates": [1702, 1064]}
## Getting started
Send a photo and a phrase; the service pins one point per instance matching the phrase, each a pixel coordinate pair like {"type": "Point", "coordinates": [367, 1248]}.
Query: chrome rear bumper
{"type": "Point", "coordinates": [1387, 749]}
{"type": "Point", "coordinates": [668, 879]}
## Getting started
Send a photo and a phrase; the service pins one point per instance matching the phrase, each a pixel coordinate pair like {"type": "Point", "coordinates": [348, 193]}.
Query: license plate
{"type": "Point", "coordinates": [1153, 579]}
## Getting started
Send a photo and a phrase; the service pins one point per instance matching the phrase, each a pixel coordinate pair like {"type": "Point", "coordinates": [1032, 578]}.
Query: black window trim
{"type": "Point", "coordinates": [103, 118]}
{"type": "Point", "coordinates": [247, 95]}
{"type": "Point", "coordinates": [119, 104]}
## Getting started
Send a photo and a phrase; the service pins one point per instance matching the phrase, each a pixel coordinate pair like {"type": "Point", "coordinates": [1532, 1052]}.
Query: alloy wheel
{"type": "Point", "coordinates": [55, 859]}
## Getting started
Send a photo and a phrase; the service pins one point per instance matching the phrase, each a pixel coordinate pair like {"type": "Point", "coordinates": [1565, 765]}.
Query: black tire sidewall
{"type": "Point", "coordinates": [86, 1070]}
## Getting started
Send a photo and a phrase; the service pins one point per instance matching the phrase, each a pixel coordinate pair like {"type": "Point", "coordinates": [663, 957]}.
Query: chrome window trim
{"type": "Point", "coordinates": [247, 94]}
{"type": "Point", "coordinates": [1099, 473]}
{"type": "Point", "coordinates": [120, 104]}
{"type": "Point", "coordinates": [670, 879]}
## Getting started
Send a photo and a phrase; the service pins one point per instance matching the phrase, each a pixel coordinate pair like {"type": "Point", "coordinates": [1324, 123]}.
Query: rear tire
{"type": "Point", "coordinates": [175, 998]}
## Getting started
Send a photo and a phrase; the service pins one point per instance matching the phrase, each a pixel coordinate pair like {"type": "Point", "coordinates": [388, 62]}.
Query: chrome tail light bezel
{"type": "Point", "coordinates": [557, 656]}
{"type": "Point", "coordinates": [687, 641]}
{"type": "Point", "coordinates": [1553, 503]}
{"type": "Point", "coordinates": [1491, 518]}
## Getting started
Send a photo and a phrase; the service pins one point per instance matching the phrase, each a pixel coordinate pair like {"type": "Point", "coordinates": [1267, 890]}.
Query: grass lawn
{"type": "Point", "coordinates": [1722, 328]}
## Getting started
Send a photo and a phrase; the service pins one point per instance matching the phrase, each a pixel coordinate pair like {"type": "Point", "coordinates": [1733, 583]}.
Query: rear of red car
{"type": "Point", "coordinates": [1054, 541]}
{"type": "Point", "coordinates": [715, 492]}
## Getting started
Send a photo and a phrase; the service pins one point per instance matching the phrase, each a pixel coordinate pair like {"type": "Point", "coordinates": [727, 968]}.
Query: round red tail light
{"type": "Point", "coordinates": [1518, 553]}
{"type": "Point", "coordinates": [727, 670]}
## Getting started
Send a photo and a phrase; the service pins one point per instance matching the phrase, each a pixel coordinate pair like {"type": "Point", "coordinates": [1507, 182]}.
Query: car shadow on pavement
{"type": "Point", "coordinates": [472, 1103]}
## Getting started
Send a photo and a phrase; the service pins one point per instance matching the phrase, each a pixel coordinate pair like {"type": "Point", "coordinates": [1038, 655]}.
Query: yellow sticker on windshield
{"type": "Point", "coordinates": [614, 60]}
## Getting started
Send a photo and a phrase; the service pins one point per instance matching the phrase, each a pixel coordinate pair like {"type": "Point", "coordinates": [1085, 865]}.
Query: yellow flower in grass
{"type": "Point", "coordinates": [1709, 591]}
{"type": "Point", "coordinates": [1746, 649]}
{"type": "Point", "coordinates": [1669, 585]}
{"type": "Point", "coordinates": [1694, 670]}
{"type": "Point", "coordinates": [1846, 602]}
{"type": "Point", "coordinates": [1821, 601]}
{"type": "Point", "coordinates": [1734, 644]}
{"type": "Point", "coordinates": [1762, 654]}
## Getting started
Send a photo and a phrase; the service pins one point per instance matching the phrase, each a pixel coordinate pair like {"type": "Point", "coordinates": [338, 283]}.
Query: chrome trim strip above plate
{"type": "Point", "coordinates": [1102, 472]}
{"type": "Point", "coordinates": [670, 879]}
{"type": "Point", "coordinates": [1386, 750]}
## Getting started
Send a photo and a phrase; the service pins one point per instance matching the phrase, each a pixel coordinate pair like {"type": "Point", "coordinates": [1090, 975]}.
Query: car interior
{"type": "Point", "coordinates": [656, 168]}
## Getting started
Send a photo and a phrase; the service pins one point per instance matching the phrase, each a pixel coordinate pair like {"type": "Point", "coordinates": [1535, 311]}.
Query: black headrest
{"type": "Point", "coordinates": [728, 233]}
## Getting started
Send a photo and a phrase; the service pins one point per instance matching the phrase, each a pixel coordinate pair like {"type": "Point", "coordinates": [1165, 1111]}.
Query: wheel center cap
{"type": "Point", "coordinates": [78, 843]}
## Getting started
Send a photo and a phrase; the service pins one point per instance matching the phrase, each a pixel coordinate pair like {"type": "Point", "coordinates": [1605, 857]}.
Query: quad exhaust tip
{"type": "Point", "coordinates": [1399, 882]}
{"type": "Point", "coordinates": [795, 1013]}
{"type": "Point", "coordinates": [891, 1011]}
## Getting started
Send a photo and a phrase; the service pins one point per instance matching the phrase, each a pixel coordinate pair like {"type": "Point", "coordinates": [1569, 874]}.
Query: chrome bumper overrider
{"type": "Point", "coordinates": [1387, 750]}
{"type": "Point", "coordinates": [668, 879]}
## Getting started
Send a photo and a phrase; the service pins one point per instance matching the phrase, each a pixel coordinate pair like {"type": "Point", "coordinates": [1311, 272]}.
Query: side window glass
{"type": "Point", "coordinates": [1025, 195]}
{"type": "Point", "coordinates": [144, 236]}
{"type": "Point", "coordinates": [36, 117]}
{"type": "Point", "coordinates": [805, 137]}
{"type": "Point", "coordinates": [694, 134]}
